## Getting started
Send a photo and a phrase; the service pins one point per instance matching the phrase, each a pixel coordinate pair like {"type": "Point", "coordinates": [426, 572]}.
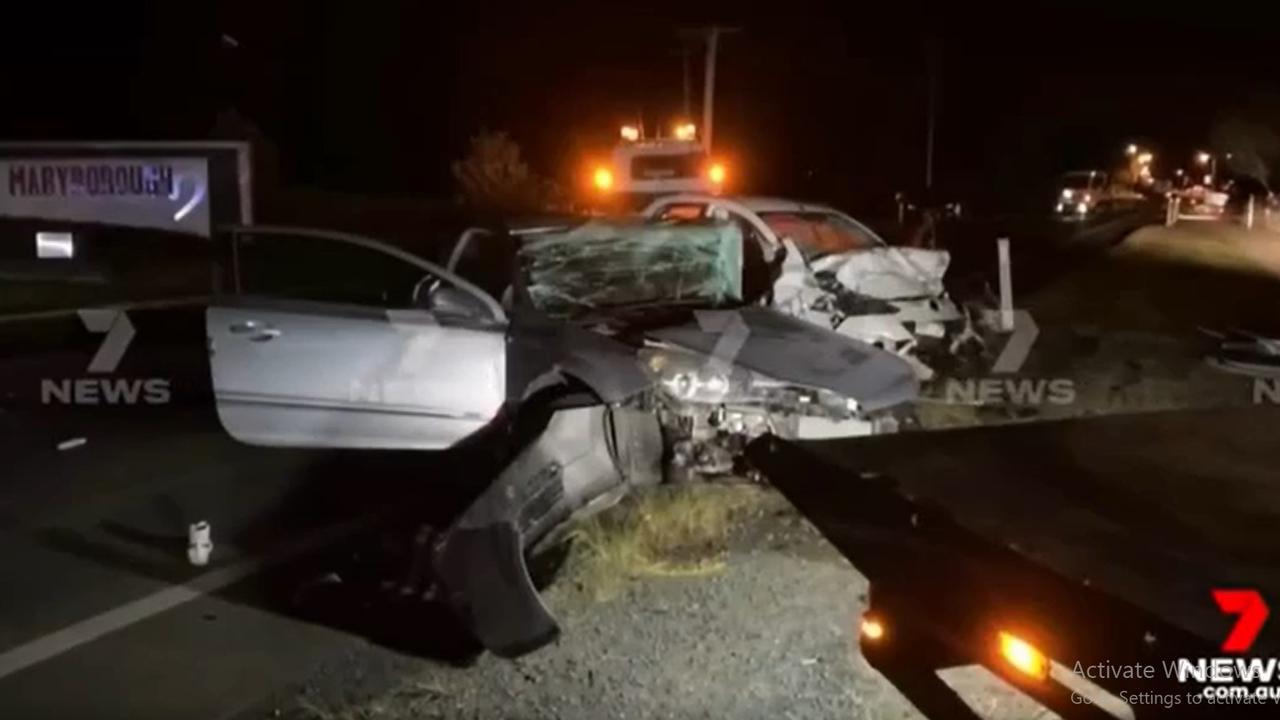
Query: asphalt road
{"type": "Point", "coordinates": [102, 615]}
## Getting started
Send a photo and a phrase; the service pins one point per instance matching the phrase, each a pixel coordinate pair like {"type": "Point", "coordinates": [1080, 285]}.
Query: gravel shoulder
{"type": "Point", "coordinates": [767, 632]}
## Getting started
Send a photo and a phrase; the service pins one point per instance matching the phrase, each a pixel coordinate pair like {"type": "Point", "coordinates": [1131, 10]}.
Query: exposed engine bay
{"type": "Point", "coordinates": [709, 412]}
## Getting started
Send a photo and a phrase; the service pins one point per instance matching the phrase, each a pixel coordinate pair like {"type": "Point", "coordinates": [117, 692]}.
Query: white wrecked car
{"type": "Point", "coordinates": [835, 271]}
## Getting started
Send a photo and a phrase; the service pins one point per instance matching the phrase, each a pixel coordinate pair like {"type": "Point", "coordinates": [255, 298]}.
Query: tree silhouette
{"type": "Point", "coordinates": [493, 176]}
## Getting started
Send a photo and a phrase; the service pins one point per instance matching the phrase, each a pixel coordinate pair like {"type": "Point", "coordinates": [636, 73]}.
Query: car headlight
{"type": "Point", "coordinates": [695, 378]}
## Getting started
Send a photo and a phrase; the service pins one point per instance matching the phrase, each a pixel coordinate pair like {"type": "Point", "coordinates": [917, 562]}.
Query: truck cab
{"type": "Point", "coordinates": [639, 169]}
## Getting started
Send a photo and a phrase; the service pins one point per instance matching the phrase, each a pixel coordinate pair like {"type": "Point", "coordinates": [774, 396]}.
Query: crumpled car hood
{"type": "Point", "coordinates": [889, 273]}
{"type": "Point", "coordinates": [785, 348]}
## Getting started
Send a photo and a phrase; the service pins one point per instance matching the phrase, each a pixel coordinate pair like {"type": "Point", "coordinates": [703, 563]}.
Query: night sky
{"type": "Point", "coordinates": [828, 103]}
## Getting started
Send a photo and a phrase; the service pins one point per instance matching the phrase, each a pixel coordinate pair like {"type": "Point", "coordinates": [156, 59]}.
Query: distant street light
{"type": "Point", "coordinates": [1131, 150]}
{"type": "Point", "coordinates": [1204, 158]}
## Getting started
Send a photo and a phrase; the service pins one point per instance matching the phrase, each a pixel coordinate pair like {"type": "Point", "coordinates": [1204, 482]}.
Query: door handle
{"type": "Point", "coordinates": [256, 330]}
{"type": "Point", "coordinates": [245, 326]}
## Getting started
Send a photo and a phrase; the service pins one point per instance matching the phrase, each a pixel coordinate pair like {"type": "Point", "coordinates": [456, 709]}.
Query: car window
{"type": "Point", "coordinates": [317, 269]}
{"type": "Point", "coordinates": [488, 262]}
{"type": "Point", "coordinates": [683, 211]}
{"type": "Point", "coordinates": [817, 233]}
{"type": "Point", "coordinates": [749, 232]}
{"type": "Point", "coordinates": [48, 265]}
{"type": "Point", "coordinates": [756, 275]}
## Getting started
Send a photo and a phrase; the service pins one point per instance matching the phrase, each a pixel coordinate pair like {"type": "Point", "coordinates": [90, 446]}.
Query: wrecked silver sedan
{"type": "Point", "coordinates": [586, 361]}
{"type": "Point", "coordinates": [663, 369]}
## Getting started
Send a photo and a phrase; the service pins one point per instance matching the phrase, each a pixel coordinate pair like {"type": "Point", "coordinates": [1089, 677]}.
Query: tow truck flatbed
{"type": "Point", "coordinates": [1099, 540]}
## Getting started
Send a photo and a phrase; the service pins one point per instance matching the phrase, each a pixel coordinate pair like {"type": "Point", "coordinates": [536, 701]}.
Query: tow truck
{"type": "Point", "coordinates": [1090, 563]}
{"type": "Point", "coordinates": [640, 168]}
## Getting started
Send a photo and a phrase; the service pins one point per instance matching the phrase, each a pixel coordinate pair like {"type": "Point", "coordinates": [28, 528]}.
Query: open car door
{"type": "Point", "coordinates": [336, 341]}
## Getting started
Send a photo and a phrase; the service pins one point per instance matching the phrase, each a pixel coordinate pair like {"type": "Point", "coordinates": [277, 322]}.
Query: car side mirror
{"type": "Point", "coordinates": [448, 301]}
{"type": "Point", "coordinates": [780, 254]}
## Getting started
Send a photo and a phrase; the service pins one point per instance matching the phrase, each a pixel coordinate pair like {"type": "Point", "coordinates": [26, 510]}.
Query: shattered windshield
{"type": "Point", "coordinates": [610, 265]}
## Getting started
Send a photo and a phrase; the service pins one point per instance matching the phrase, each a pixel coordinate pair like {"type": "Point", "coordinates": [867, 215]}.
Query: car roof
{"type": "Point", "coordinates": [757, 204]}
{"type": "Point", "coordinates": [772, 204]}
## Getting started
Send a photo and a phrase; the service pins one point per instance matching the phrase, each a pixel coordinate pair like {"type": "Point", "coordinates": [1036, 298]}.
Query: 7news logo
{"type": "Point", "coordinates": [1237, 678]}
{"type": "Point", "coordinates": [119, 333]}
{"type": "Point", "coordinates": [1253, 613]}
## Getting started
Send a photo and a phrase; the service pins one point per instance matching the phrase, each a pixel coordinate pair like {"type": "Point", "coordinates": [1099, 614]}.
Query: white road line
{"type": "Point", "coordinates": [58, 642]}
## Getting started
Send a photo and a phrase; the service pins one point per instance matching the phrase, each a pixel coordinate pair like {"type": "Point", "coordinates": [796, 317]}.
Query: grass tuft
{"type": "Point", "coordinates": [668, 531]}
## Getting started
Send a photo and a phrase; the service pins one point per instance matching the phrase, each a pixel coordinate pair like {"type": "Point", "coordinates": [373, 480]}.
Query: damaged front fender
{"type": "Point", "coordinates": [586, 458]}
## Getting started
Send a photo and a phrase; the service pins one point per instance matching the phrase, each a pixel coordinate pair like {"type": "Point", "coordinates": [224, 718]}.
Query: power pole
{"type": "Point", "coordinates": [686, 105]}
{"type": "Point", "coordinates": [687, 108]}
{"type": "Point", "coordinates": [711, 35]}
{"type": "Point", "coordinates": [709, 87]}
{"type": "Point", "coordinates": [932, 121]}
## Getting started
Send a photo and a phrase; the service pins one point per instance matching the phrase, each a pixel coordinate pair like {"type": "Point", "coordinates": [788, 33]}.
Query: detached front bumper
{"type": "Point", "coordinates": [586, 458]}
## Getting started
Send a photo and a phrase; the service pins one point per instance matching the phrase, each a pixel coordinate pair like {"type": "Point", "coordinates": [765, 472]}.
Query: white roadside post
{"type": "Point", "coordinates": [1006, 285]}
{"type": "Point", "coordinates": [199, 543]}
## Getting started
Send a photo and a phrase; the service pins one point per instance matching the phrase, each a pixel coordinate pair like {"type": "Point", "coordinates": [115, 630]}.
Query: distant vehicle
{"type": "Point", "coordinates": [1200, 202]}
{"type": "Point", "coordinates": [1086, 192]}
{"type": "Point", "coordinates": [640, 168]}
{"type": "Point", "coordinates": [1080, 191]}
